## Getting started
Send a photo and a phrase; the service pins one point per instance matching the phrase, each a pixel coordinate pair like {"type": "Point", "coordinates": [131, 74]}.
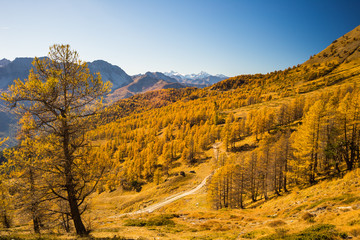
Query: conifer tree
{"type": "Point", "coordinates": [24, 162]}
{"type": "Point", "coordinates": [265, 158]}
{"type": "Point", "coordinates": [349, 115]}
{"type": "Point", "coordinates": [5, 200]}
{"type": "Point", "coordinates": [61, 95]}
{"type": "Point", "coordinates": [307, 142]}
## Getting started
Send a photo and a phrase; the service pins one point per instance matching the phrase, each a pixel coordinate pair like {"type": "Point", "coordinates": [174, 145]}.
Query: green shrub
{"type": "Point", "coordinates": [300, 208]}
{"type": "Point", "coordinates": [317, 232]}
{"type": "Point", "coordinates": [159, 220]}
{"type": "Point", "coordinates": [253, 234]}
{"type": "Point", "coordinates": [135, 222]}
{"type": "Point", "coordinates": [351, 200]}
{"type": "Point", "coordinates": [308, 217]}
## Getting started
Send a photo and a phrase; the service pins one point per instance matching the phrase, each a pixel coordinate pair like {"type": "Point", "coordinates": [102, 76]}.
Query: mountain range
{"type": "Point", "coordinates": [123, 84]}
{"type": "Point", "coordinates": [200, 79]}
{"type": "Point", "coordinates": [20, 67]}
{"type": "Point", "coordinates": [145, 82]}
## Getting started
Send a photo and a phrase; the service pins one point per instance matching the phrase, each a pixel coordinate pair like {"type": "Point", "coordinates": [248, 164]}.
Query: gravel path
{"type": "Point", "coordinates": [167, 201]}
{"type": "Point", "coordinates": [177, 196]}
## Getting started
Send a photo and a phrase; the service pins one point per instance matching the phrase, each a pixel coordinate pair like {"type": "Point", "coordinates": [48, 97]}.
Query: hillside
{"type": "Point", "coordinates": [144, 83]}
{"type": "Point", "coordinates": [332, 65]}
{"type": "Point", "coordinates": [332, 204]}
{"type": "Point", "coordinates": [282, 150]}
{"type": "Point", "coordinates": [345, 48]}
{"type": "Point", "coordinates": [123, 86]}
{"type": "Point", "coordinates": [272, 96]}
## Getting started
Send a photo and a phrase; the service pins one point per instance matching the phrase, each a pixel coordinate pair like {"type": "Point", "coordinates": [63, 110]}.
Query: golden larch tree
{"type": "Point", "coordinates": [61, 95]}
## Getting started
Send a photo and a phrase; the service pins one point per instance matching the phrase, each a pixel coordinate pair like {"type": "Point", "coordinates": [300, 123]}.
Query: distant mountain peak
{"type": "Point", "coordinates": [203, 73]}
{"type": "Point", "coordinates": [160, 76]}
{"type": "Point", "coordinates": [111, 73]}
{"type": "Point", "coordinates": [4, 62]}
{"type": "Point", "coordinates": [172, 72]}
{"type": "Point", "coordinates": [199, 75]}
{"type": "Point", "coordinates": [20, 67]}
{"type": "Point", "coordinates": [145, 82]}
{"type": "Point", "coordinates": [201, 79]}
{"type": "Point", "coordinates": [221, 76]}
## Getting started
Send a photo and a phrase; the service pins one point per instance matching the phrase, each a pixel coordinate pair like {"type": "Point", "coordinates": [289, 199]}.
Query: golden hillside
{"type": "Point", "coordinates": [345, 48]}
{"type": "Point", "coordinates": [276, 147]}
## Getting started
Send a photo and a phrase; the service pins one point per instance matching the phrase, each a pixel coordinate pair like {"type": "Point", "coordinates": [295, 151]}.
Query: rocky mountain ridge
{"type": "Point", "coordinates": [4, 62]}
{"type": "Point", "coordinates": [20, 67]}
{"type": "Point", "coordinates": [145, 82]}
{"type": "Point", "coordinates": [202, 79]}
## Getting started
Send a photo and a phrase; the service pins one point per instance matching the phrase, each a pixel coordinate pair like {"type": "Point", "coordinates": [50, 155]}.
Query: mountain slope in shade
{"type": "Point", "coordinates": [145, 82]}
{"type": "Point", "coordinates": [4, 62]}
{"type": "Point", "coordinates": [20, 67]}
{"type": "Point", "coordinates": [202, 79]}
{"type": "Point", "coordinates": [111, 73]}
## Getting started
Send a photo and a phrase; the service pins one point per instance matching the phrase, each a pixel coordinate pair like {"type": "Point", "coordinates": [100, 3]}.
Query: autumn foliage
{"type": "Point", "coordinates": [271, 132]}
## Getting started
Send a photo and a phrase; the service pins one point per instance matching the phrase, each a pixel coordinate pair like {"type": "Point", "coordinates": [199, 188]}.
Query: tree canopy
{"type": "Point", "coordinates": [61, 95]}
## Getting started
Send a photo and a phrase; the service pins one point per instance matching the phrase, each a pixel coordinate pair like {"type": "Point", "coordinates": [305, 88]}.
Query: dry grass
{"type": "Point", "coordinates": [334, 202]}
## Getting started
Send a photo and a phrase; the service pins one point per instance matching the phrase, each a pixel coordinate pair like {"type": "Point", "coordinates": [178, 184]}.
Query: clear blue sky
{"type": "Point", "coordinates": [217, 36]}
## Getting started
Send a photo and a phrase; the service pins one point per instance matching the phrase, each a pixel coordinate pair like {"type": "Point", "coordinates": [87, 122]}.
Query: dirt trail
{"type": "Point", "coordinates": [167, 201]}
{"type": "Point", "coordinates": [177, 196]}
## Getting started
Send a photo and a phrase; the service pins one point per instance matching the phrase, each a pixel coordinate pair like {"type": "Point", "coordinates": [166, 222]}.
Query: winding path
{"type": "Point", "coordinates": [177, 196]}
{"type": "Point", "coordinates": [169, 200]}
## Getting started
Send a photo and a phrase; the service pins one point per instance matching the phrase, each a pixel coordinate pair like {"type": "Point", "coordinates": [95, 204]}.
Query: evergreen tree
{"type": "Point", "coordinates": [60, 94]}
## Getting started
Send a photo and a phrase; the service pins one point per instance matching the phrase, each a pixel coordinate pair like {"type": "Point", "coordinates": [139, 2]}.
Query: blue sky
{"type": "Point", "coordinates": [217, 36]}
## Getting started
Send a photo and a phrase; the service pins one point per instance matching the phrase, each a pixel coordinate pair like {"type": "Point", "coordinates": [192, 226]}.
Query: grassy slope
{"type": "Point", "coordinates": [336, 202]}
{"type": "Point", "coordinates": [327, 202]}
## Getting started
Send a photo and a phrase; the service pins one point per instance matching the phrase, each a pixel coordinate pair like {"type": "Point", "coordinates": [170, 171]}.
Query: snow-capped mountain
{"type": "Point", "coordinates": [201, 79]}
{"type": "Point", "coordinates": [200, 75]}
{"type": "Point", "coordinates": [192, 76]}
{"type": "Point", "coordinates": [221, 76]}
